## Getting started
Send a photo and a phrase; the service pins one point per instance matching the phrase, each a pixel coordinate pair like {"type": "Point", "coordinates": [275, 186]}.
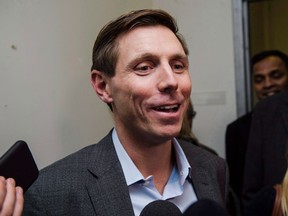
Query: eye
{"type": "Point", "coordinates": [178, 66]}
{"type": "Point", "coordinates": [258, 79]}
{"type": "Point", "coordinates": [277, 75]}
{"type": "Point", "coordinates": [144, 68]}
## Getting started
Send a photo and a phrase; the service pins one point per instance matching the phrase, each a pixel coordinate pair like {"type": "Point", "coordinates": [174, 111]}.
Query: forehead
{"type": "Point", "coordinates": [268, 64]}
{"type": "Point", "coordinates": [146, 39]}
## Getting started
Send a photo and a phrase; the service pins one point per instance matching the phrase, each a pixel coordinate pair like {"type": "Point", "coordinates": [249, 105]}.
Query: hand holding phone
{"type": "Point", "coordinates": [18, 163]}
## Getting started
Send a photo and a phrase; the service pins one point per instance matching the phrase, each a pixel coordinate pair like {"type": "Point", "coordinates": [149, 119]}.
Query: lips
{"type": "Point", "coordinates": [167, 108]}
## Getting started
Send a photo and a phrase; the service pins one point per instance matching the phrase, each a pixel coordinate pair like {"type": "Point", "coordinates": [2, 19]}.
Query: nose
{"type": "Point", "coordinates": [268, 83]}
{"type": "Point", "coordinates": [167, 80]}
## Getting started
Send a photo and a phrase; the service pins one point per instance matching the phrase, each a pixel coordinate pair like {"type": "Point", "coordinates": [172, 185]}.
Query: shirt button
{"type": "Point", "coordinates": [181, 173]}
{"type": "Point", "coordinates": [146, 183]}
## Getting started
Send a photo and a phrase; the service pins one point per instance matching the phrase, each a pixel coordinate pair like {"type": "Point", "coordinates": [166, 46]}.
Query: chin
{"type": "Point", "coordinates": [169, 133]}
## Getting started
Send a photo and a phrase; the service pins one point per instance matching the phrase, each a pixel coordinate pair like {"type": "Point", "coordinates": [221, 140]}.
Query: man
{"type": "Point", "coordinates": [270, 76]}
{"type": "Point", "coordinates": [11, 197]}
{"type": "Point", "coordinates": [140, 69]}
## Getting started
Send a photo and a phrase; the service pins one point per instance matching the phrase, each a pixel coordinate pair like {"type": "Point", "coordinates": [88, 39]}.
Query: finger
{"type": "Point", "coordinates": [2, 191]}
{"type": "Point", "coordinates": [10, 198]}
{"type": "Point", "coordinates": [18, 208]}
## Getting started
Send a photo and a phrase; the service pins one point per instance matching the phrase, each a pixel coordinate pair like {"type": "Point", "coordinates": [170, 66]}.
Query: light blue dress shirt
{"type": "Point", "coordinates": [178, 189]}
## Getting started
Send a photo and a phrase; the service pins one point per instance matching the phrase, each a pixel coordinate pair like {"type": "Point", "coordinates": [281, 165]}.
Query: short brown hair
{"type": "Point", "coordinates": [105, 50]}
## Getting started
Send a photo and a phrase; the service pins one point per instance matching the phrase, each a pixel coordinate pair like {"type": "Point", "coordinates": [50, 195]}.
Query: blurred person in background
{"type": "Point", "coordinates": [269, 76]}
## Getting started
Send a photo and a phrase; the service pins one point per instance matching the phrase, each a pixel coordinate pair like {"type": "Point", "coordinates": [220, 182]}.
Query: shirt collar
{"type": "Point", "coordinates": [131, 172]}
{"type": "Point", "coordinates": [183, 165]}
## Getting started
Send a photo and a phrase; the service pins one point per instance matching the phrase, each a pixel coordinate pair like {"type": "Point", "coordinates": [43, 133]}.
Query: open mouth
{"type": "Point", "coordinates": [267, 94]}
{"type": "Point", "coordinates": [170, 108]}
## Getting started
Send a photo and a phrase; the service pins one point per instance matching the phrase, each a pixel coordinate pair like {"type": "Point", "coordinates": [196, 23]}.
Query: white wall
{"type": "Point", "coordinates": [45, 60]}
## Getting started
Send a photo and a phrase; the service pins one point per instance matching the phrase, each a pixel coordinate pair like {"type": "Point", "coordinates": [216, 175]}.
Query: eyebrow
{"type": "Point", "coordinates": [272, 71]}
{"type": "Point", "coordinates": [149, 56]}
{"type": "Point", "coordinates": [275, 70]}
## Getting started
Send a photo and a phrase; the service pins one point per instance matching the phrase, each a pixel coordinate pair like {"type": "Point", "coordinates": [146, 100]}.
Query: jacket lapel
{"type": "Point", "coordinates": [202, 174]}
{"type": "Point", "coordinates": [106, 185]}
{"type": "Point", "coordinates": [201, 179]}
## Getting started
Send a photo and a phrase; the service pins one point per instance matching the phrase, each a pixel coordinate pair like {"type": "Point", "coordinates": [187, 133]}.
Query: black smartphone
{"type": "Point", "coordinates": [18, 163]}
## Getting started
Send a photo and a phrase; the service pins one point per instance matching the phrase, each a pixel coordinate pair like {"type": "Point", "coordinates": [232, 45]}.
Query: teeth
{"type": "Point", "coordinates": [267, 94]}
{"type": "Point", "coordinates": [167, 107]}
{"type": "Point", "coordinates": [271, 93]}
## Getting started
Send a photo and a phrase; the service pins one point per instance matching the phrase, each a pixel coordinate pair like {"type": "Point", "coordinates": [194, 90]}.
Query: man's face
{"type": "Point", "coordinates": [269, 77]}
{"type": "Point", "coordinates": [151, 87]}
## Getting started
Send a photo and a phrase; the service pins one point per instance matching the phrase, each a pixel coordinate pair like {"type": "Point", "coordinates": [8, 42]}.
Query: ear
{"type": "Point", "coordinates": [101, 86]}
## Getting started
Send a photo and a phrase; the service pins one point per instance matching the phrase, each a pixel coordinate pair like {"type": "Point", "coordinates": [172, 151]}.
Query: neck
{"type": "Point", "coordinates": [155, 159]}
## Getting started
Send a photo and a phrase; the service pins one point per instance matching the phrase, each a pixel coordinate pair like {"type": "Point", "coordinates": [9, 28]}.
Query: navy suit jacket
{"type": "Point", "coordinates": [91, 182]}
{"type": "Point", "coordinates": [236, 141]}
{"type": "Point", "coordinates": [266, 160]}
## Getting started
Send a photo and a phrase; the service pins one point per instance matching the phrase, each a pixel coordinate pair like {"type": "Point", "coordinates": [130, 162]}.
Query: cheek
{"type": "Point", "coordinates": [283, 82]}
{"type": "Point", "coordinates": [128, 95]}
{"type": "Point", "coordinates": [186, 86]}
{"type": "Point", "coordinates": [257, 87]}
{"type": "Point", "coordinates": [119, 94]}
